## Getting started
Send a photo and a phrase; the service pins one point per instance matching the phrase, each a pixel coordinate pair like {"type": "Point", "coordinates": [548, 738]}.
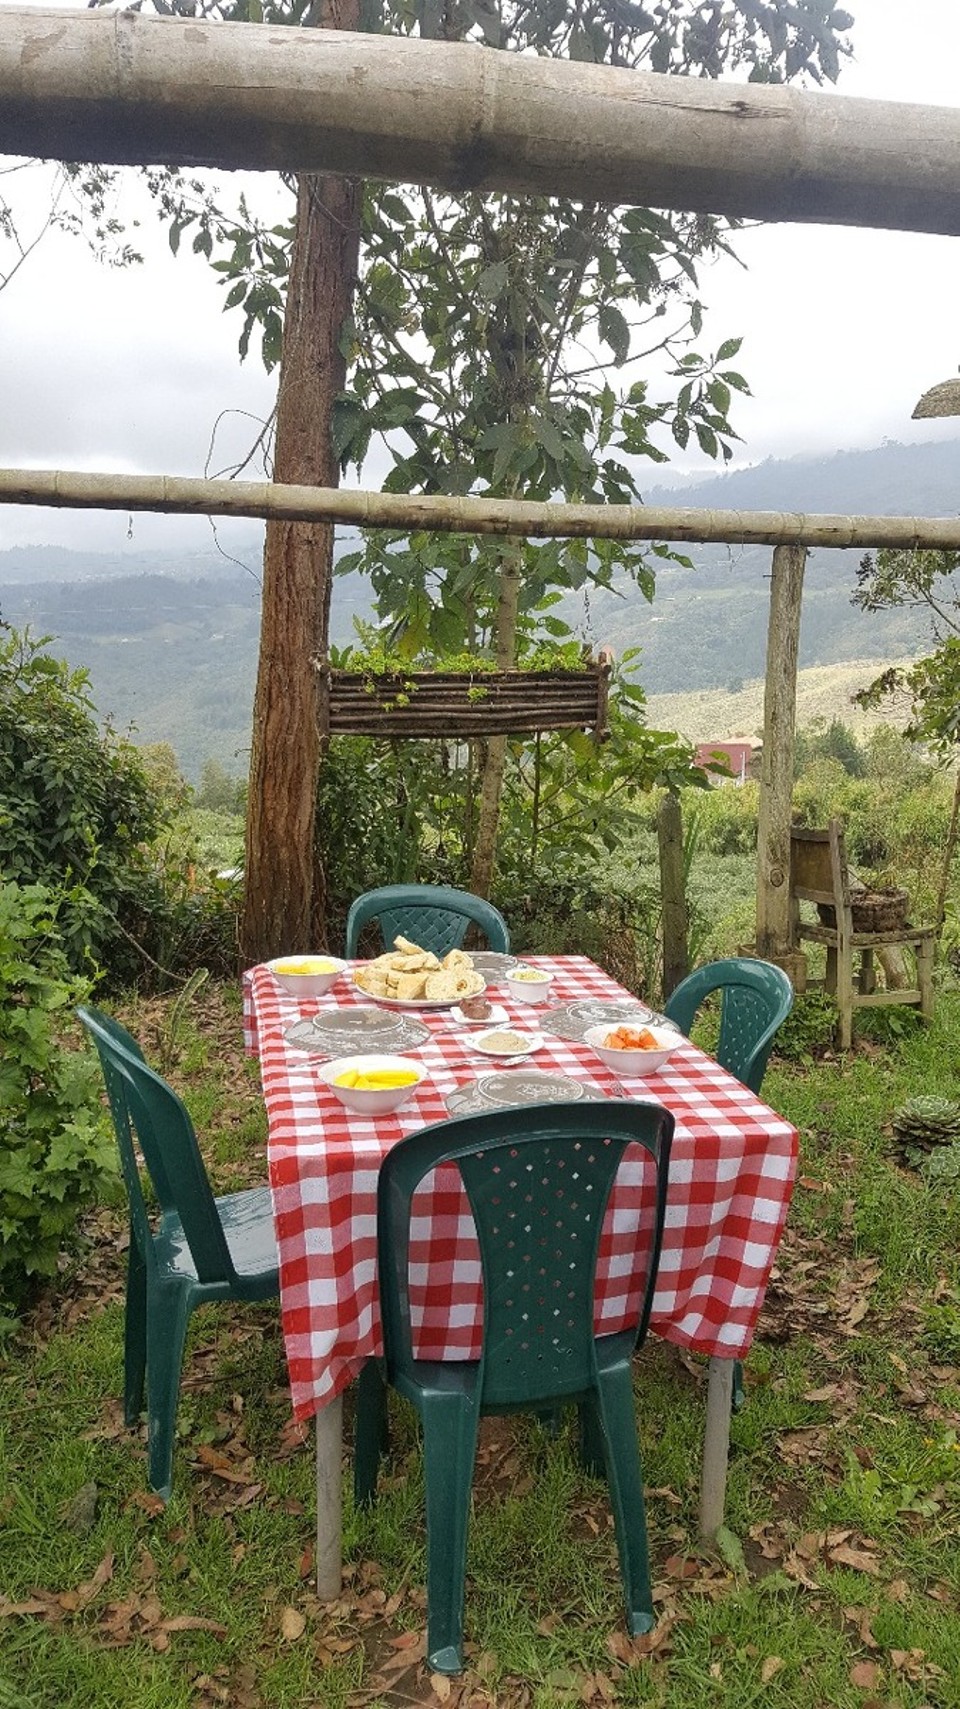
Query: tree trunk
{"type": "Point", "coordinates": [283, 902]}
{"type": "Point", "coordinates": [948, 854]}
{"type": "Point", "coordinates": [673, 893]}
{"type": "Point", "coordinates": [779, 730]}
{"type": "Point", "coordinates": [491, 784]}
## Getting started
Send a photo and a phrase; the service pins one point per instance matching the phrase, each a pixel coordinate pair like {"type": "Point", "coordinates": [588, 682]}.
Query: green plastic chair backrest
{"type": "Point", "coordinates": [435, 916]}
{"type": "Point", "coordinates": [145, 1108]}
{"type": "Point", "coordinates": [756, 1000]}
{"type": "Point", "coordinates": [538, 1181]}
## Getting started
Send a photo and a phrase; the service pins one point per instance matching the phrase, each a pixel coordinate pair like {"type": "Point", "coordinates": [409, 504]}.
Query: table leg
{"type": "Point", "coordinates": [329, 1427]}
{"type": "Point", "coordinates": [716, 1442]}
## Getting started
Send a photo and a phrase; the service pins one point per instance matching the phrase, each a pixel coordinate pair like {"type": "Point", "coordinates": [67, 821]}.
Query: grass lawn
{"type": "Point", "coordinates": [840, 1585]}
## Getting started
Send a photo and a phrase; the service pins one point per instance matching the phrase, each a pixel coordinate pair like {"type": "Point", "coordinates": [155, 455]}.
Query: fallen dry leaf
{"type": "Point", "coordinates": [771, 1666]}
{"type": "Point", "coordinates": [441, 1686]}
{"type": "Point", "coordinates": [32, 1605]}
{"type": "Point", "coordinates": [860, 1560]}
{"type": "Point", "coordinates": [629, 1651]}
{"type": "Point", "coordinates": [861, 1617]}
{"type": "Point", "coordinates": [292, 1624]}
{"type": "Point", "coordinates": [865, 1675]}
{"type": "Point", "coordinates": [102, 1574]}
{"type": "Point", "coordinates": [915, 1665]}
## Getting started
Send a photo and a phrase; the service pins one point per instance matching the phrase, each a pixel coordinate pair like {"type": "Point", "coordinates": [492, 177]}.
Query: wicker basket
{"type": "Point", "coordinates": [873, 911]}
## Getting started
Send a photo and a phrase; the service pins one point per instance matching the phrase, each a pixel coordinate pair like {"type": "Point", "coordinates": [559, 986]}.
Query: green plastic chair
{"type": "Point", "coordinates": [200, 1248]}
{"type": "Point", "coordinates": [756, 1000]}
{"type": "Point", "coordinates": [537, 1181]}
{"type": "Point", "coordinates": [431, 915]}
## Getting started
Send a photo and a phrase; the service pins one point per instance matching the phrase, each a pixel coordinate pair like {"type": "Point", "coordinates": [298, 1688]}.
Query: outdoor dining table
{"type": "Point", "coordinates": [731, 1175]}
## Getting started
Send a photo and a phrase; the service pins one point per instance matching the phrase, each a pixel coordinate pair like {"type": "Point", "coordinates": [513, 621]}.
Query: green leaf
{"type": "Point", "coordinates": [730, 1550]}
{"type": "Point", "coordinates": [614, 331]}
{"type": "Point", "coordinates": [493, 281]}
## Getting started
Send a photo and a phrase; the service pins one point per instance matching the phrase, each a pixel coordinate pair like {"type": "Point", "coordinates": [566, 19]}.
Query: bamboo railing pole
{"type": "Point", "coordinates": [184, 495]}
{"type": "Point", "coordinates": [134, 89]}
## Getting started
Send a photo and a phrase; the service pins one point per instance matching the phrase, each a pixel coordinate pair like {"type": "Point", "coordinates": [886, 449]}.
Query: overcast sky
{"type": "Point", "coordinates": [130, 370]}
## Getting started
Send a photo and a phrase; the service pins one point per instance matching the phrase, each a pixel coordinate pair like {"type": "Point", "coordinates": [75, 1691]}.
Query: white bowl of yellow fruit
{"type": "Point", "coordinates": [306, 975]}
{"type": "Point", "coordinates": [372, 1085]}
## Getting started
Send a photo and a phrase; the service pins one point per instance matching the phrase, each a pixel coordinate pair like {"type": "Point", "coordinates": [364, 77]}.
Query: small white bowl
{"type": "Point", "coordinates": [377, 1102]}
{"type": "Point", "coordinates": [324, 970]}
{"type": "Point", "coordinates": [529, 984]}
{"type": "Point", "coordinates": [633, 1062]}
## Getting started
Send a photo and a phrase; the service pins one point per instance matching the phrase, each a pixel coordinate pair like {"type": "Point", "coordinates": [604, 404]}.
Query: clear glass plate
{"type": "Point", "coordinates": [513, 1087]}
{"type": "Point", "coordinates": [571, 1020]}
{"type": "Point", "coordinates": [360, 1028]}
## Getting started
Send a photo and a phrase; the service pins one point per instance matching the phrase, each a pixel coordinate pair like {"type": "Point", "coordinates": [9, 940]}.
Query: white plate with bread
{"type": "Point", "coordinates": [408, 977]}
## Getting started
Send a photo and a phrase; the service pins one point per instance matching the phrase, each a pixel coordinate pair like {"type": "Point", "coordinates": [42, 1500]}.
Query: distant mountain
{"type": "Point", "coordinates": [29, 565]}
{"type": "Point", "coordinates": [170, 645]}
{"type": "Point", "coordinates": [707, 625]}
{"type": "Point", "coordinates": [170, 640]}
{"type": "Point", "coordinates": [889, 480]}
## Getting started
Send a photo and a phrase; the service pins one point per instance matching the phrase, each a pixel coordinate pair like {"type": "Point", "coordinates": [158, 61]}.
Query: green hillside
{"type": "Point", "coordinates": [171, 640]}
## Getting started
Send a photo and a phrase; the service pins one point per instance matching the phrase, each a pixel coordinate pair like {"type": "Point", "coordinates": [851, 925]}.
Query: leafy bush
{"type": "Point", "coordinates": [583, 912]}
{"type": "Point", "coordinates": [725, 817]}
{"type": "Point", "coordinates": [55, 1151]}
{"type": "Point", "coordinates": [77, 811]}
{"type": "Point", "coordinates": [833, 741]}
{"type": "Point", "coordinates": [809, 1027]}
{"type": "Point", "coordinates": [99, 821]}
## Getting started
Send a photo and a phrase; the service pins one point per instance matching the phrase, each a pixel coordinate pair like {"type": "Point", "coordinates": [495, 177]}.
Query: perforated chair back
{"type": "Point", "coordinates": [538, 1182]}
{"type": "Point", "coordinates": [190, 1250]}
{"type": "Point", "coordinates": [756, 998]}
{"type": "Point", "coordinates": [435, 916]}
{"type": "Point", "coordinates": [144, 1107]}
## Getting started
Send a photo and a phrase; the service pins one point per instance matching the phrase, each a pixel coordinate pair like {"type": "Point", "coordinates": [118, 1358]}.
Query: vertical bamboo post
{"type": "Point", "coordinates": [673, 895]}
{"type": "Point", "coordinates": [779, 732]}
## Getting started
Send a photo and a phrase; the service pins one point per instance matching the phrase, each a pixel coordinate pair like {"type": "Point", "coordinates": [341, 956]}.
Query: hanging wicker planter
{"type": "Point", "coordinates": [461, 705]}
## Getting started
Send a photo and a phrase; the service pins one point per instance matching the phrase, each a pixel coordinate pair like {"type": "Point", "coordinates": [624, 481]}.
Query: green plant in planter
{"type": "Point", "coordinates": [56, 1155]}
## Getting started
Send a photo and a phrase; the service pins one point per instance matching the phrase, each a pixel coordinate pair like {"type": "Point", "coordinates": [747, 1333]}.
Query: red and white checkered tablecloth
{"type": "Point", "coordinates": [731, 1177]}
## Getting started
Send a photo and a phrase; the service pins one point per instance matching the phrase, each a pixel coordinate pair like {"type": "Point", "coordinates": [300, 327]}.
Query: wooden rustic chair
{"type": "Point", "coordinates": [819, 873]}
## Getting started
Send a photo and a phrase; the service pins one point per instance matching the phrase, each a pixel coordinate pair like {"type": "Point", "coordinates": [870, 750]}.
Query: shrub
{"type": "Point", "coordinates": [100, 822]}
{"type": "Point", "coordinates": [725, 818]}
{"type": "Point", "coordinates": [809, 1027]}
{"type": "Point", "coordinates": [55, 1151]}
{"type": "Point", "coordinates": [77, 810]}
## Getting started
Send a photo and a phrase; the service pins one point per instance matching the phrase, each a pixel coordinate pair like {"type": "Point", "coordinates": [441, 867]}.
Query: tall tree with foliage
{"type": "Point", "coordinates": [488, 347]}
{"type": "Point", "coordinates": [930, 687]}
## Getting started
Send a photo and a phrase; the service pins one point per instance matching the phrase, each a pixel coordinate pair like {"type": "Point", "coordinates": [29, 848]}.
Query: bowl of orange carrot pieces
{"type": "Point", "coordinates": [633, 1050]}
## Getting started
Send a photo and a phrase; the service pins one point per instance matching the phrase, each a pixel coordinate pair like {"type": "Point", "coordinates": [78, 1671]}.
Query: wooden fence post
{"type": "Point", "coordinates": [673, 895]}
{"type": "Point", "coordinates": [779, 733]}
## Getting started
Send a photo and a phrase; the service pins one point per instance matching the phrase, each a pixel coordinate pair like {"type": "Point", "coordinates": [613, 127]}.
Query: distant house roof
{"type": "Point", "coordinates": [739, 754]}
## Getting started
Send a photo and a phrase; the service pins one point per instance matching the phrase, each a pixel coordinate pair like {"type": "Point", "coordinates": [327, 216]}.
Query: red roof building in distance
{"type": "Point", "coordinates": [742, 757]}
